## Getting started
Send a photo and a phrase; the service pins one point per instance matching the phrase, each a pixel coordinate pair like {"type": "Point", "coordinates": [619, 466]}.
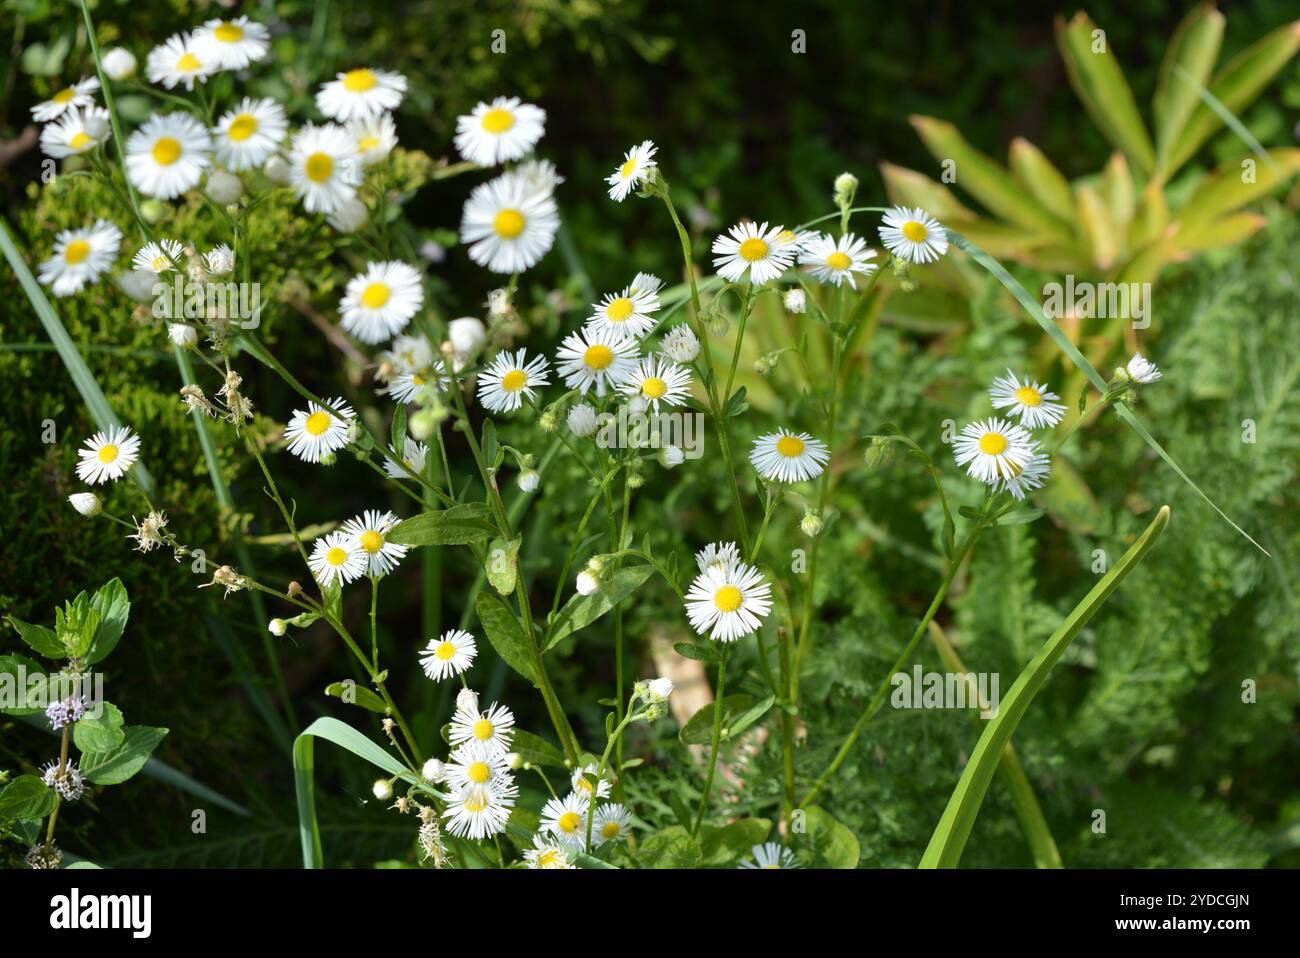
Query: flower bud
{"type": "Point", "coordinates": [182, 334]}
{"type": "Point", "coordinates": [529, 479]}
{"type": "Point", "coordinates": [671, 457]}
{"type": "Point", "coordinates": [432, 771]}
{"type": "Point", "coordinates": [87, 503]}
{"type": "Point", "coordinates": [382, 789]}
{"type": "Point", "coordinates": [277, 627]}
{"type": "Point", "coordinates": [224, 188]}
{"type": "Point", "coordinates": [587, 583]}
{"type": "Point", "coordinates": [277, 170]}
{"type": "Point", "coordinates": [795, 300]}
{"type": "Point", "coordinates": [811, 524]}
{"type": "Point", "coordinates": [152, 211]}
{"type": "Point", "coordinates": [582, 420]}
{"type": "Point", "coordinates": [119, 63]}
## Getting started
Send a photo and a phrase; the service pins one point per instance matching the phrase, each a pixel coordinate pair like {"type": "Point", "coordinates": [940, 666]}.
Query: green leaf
{"type": "Point", "coordinates": [1035, 310]}
{"type": "Point", "coordinates": [502, 564]}
{"type": "Point", "coordinates": [749, 717]}
{"type": "Point", "coordinates": [1193, 49]}
{"type": "Point", "coordinates": [1032, 169]}
{"type": "Point", "coordinates": [489, 443]}
{"type": "Point", "coordinates": [398, 434]}
{"type": "Point", "coordinates": [506, 635]}
{"type": "Point", "coordinates": [672, 847]}
{"type": "Point", "coordinates": [700, 653]}
{"type": "Point", "coordinates": [26, 797]}
{"type": "Point", "coordinates": [115, 766]}
{"type": "Point", "coordinates": [23, 681]}
{"type": "Point", "coordinates": [40, 638]}
{"type": "Point", "coordinates": [102, 733]}
{"type": "Point", "coordinates": [698, 730]}
{"type": "Point", "coordinates": [114, 608]}
{"type": "Point", "coordinates": [830, 842]}
{"type": "Point", "coordinates": [350, 693]}
{"type": "Point", "coordinates": [723, 846]}
{"type": "Point", "coordinates": [536, 750]}
{"type": "Point", "coordinates": [582, 610]}
{"type": "Point", "coordinates": [1019, 516]}
{"type": "Point", "coordinates": [462, 524]}
{"type": "Point", "coordinates": [949, 838]}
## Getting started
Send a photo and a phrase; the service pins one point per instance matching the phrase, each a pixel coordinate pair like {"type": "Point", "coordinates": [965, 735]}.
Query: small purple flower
{"type": "Point", "coordinates": [66, 712]}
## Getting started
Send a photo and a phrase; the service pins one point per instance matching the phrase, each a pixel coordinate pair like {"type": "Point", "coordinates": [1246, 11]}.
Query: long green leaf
{"type": "Point", "coordinates": [79, 372]}
{"type": "Point", "coordinates": [1191, 54]}
{"type": "Point", "coordinates": [949, 838]}
{"type": "Point", "coordinates": [1035, 309]}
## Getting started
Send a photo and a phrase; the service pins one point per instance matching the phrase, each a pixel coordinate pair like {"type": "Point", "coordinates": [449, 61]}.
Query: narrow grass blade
{"type": "Point", "coordinates": [1035, 310]}
{"type": "Point", "coordinates": [949, 838]}
{"type": "Point", "coordinates": [1227, 116]}
{"type": "Point", "coordinates": [80, 373]}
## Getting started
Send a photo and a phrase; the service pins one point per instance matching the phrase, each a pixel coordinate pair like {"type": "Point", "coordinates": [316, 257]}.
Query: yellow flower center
{"type": "Point", "coordinates": [483, 730]}
{"type": "Point", "coordinates": [189, 63]}
{"type": "Point", "coordinates": [790, 446]}
{"type": "Point", "coordinates": [242, 127]}
{"type": "Point", "coordinates": [376, 295]}
{"type": "Point", "coordinates": [371, 541]}
{"type": "Point", "coordinates": [498, 121]}
{"type": "Point", "coordinates": [476, 803]}
{"type": "Point", "coordinates": [108, 453]}
{"type": "Point", "coordinates": [993, 443]}
{"type": "Point", "coordinates": [80, 140]}
{"type": "Point", "coordinates": [320, 167]}
{"type": "Point", "coordinates": [584, 786]}
{"type": "Point", "coordinates": [728, 598]}
{"type": "Point", "coordinates": [610, 830]}
{"type": "Point", "coordinates": [654, 387]}
{"type": "Point", "coordinates": [478, 773]}
{"type": "Point", "coordinates": [509, 224]}
{"type": "Point", "coordinates": [598, 357]}
{"type": "Point", "coordinates": [915, 231]}
{"type": "Point", "coordinates": [445, 651]}
{"type": "Point", "coordinates": [1029, 396]}
{"type": "Point", "coordinates": [753, 249]}
{"type": "Point", "coordinates": [167, 150]}
{"type": "Point", "coordinates": [570, 821]}
{"type": "Point", "coordinates": [359, 81]}
{"type": "Point", "coordinates": [336, 556]}
{"type": "Point", "coordinates": [318, 422]}
{"type": "Point", "coordinates": [64, 96]}
{"type": "Point", "coordinates": [514, 380]}
{"type": "Point", "coordinates": [368, 143]}
{"type": "Point", "coordinates": [619, 310]}
{"type": "Point", "coordinates": [548, 858]}
{"type": "Point", "coordinates": [76, 252]}
{"type": "Point", "coordinates": [838, 260]}
{"type": "Point", "coordinates": [228, 33]}
{"type": "Point", "coordinates": [159, 263]}
{"type": "Point", "coordinates": [628, 168]}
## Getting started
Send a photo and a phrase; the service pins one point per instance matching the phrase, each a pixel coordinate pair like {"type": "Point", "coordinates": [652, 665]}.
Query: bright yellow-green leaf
{"type": "Point", "coordinates": [1033, 170]}
{"type": "Point", "coordinates": [1236, 183]}
{"type": "Point", "coordinates": [1221, 233]}
{"type": "Point", "coordinates": [1117, 189]}
{"type": "Point", "coordinates": [1193, 48]}
{"type": "Point", "coordinates": [1099, 227]}
{"type": "Point", "coordinates": [909, 188]}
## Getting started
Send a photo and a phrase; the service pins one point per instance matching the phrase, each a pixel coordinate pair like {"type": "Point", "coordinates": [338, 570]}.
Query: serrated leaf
{"type": "Point", "coordinates": [39, 637]}
{"type": "Point", "coordinates": [115, 766]}
{"type": "Point", "coordinates": [461, 524]}
{"type": "Point", "coordinates": [102, 733]}
{"type": "Point", "coordinates": [114, 608]}
{"type": "Point", "coordinates": [22, 681]}
{"type": "Point", "coordinates": [27, 796]}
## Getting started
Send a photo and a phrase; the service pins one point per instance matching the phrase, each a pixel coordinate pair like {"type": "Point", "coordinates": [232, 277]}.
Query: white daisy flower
{"type": "Point", "coordinates": [566, 819]}
{"type": "Point", "coordinates": [317, 432]}
{"type": "Point", "coordinates": [913, 235]}
{"type": "Point", "coordinates": [509, 378]}
{"type": "Point", "coordinates": [765, 253]}
{"type": "Point", "coordinates": [1026, 479]}
{"type": "Point", "coordinates": [638, 163]}
{"type": "Point", "coordinates": [379, 303]}
{"type": "Point", "coordinates": [1142, 370]}
{"type": "Point", "coordinates": [160, 257]}
{"type": "Point", "coordinates": [77, 131]}
{"type": "Point", "coordinates": [1029, 400]}
{"type": "Point", "coordinates": [81, 94]}
{"type": "Point", "coordinates": [784, 456]}
{"type": "Point", "coordinates": [178, 60]}
{"type": "Point", "coordinates": [361, 93]}
{"type": "Point", "coordinates": [582, 787]}
{"type": "Point", "coordinates": [369, 532]}
{"type": "Point", "coordinates": [717, 555]}
{"type": "Point", "coordinates": [168, 155]}
{"type": "Point", "coordinates": [541, 176]}
{"type": "Point", "coordinates": [728, 601]}
{"type": "Point", "coordinates": [108, 455]}
{"type": "Point", "coordinates": [593, 357]}
{"type": "Point", "coordinates": [80, 257]}
{"type": "Point", "coordinates": [233, 44]}
{"type": "Point", "coordinates": [413, 456]}
{"type": "Point", "coordinates": [836, 260]}
{"type": "Point", "coordinates": [547, 854]}
{"type": "Point", "coordinates": [336, 558]}
{"type": "Point", "coordinates": [994, 449]}
{"type": "Point", "coordinates": [509, 226]}
{"type": "Point", "coordinates": [249, 135]}
{"type": "Point", "coordinates": [629, 313]}
{"type": "Point", "coordinates": [477, 767]}
{"type": "Point", "coordinates": [493, 729]}
{"type": "Point", "coordinates": [324, 168]}
{"type": "Point", "coordinates": [505, 129]}
{"type": "Point", "coordinates": [219, 260]}
{"type": "Point", "coordinates": [681, 344]}
{"type": "Point", "coordinates": [450, 654]}
{"type": "Point", "coordinates": [409, 354]}
{"type": "Point", "coordinates": [771, 855]}
{"type": "Point", "coordinates": [657, 380]}
{"type": "Point", "coordinates": [375, 137]}
{"type": "Point", "coordinates": [478, 813]}
{"type": "Point", "coordinates": [611, 823]}
{"type": "Point", "coordinates": [410, 387]}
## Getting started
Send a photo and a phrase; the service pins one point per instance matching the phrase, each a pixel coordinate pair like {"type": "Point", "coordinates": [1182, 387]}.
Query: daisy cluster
{"type": "Point", "coordinates": [1002, 453]}
{"type": "Point", "coordinates": [360, 547]}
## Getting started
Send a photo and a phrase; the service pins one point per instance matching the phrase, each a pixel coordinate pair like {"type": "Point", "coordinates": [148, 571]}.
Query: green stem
{"type": "Point", "coordinates": [716, 739]}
